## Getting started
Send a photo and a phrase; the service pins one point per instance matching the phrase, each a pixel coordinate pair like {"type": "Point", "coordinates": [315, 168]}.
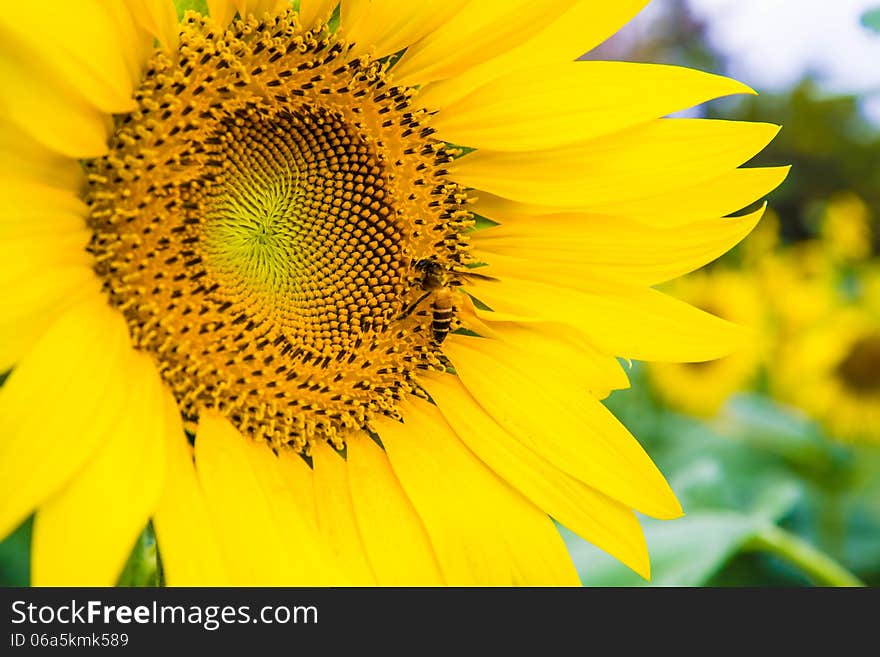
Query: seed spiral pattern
{"type": "Point", "coordinates": [257, 221]}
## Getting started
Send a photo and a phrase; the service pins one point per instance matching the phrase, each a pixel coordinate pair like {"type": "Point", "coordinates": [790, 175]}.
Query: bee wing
{"type": "Point", "coordinates": [466, 275]}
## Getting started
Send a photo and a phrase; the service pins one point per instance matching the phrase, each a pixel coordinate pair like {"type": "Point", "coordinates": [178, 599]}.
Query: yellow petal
{"type": "Point", "coordinates": [265, 537]}
{"type": "Point", "coordinates": [382, 27]}
{"type": "Point", "coordinates": [551, 106]}
{"type": "Point", "coordinates": [483, 531]}
{"type": "Point", "coordinates": [562, 348]}
{"type": "Point", "coordinates": [287, 482]}
{"type": "Point", "coordinates": [597, 518]}
{"type": "Point", "coordinates": [312, 11]}
{"type": "Point", "coordinates": [188, 541]}
{"type": "Point", "coordinates": [26, 255]}
{"type": "Point", "coordinates": [60, 404]}
{"type": "Point", "coordinates": [83, 535]}
{"type": "Point", "coordinates": [717, 197]}
{"type": "Point", "coordinates": [50, 109]}
{"type": "Point", "coordinates": [257, 7]}
{"type": "Point", "coordinates": [569, 246]}
{"type": "Point", "coordinates": [40, 225]}
{"type": "Point", "coordinates": [33, 303]}
{"type": "Point", "coordinates": [221, 11]}
{"type": "Point", "coordinates": [392, 532]}
{"type": "Point", "coordinates": [560, 422]}
{"type": "Point", "coordinates": [626, 321]}
{"type": "Point", "coordinates": [139, 42]}
{"type": "Point", "coordinates": [28, 202]}
{"type": "Point", "coordinates": [583, 26]}
{"type": "Point", "coordinates": [26, 160]}
{"type": "Point", "coordinates": [158, 18]}
{"type": "Point", "coordinates": [336, 514]}
{"type": "Point", "coordinates": [75, 42]}
{"type": "Point", "coordinates": [480, 31]}
{"type": "Point", "coordinates": [299, 480]}
{"type": "Point", "coordinates": [644, 161]}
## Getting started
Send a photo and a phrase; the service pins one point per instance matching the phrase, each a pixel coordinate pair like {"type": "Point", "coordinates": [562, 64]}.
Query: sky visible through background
{"type": "Point", "coordinates": [771, 44]}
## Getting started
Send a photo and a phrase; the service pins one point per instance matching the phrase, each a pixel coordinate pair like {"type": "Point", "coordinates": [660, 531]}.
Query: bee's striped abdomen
{"type": "Point", "coordinates": [444, 312]}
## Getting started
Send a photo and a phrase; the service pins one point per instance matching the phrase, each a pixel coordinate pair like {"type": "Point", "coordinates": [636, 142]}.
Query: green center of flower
{"type": "Point", "coordinates": [258, 221]}
{"type": "Point", "coordinates": [860, 368]}
{"type": "Point", "coordinates": [299, 227]}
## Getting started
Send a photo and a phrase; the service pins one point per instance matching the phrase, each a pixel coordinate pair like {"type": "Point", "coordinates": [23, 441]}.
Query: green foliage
{"type": "Point", "coordinates": [200, 6]}
{"type": "Point", "coordinates": [143, 567]}
{"type": "Point", "coordinates": [756, 467]}
{"type": "Point", "coordinates": [15, 561]}
{"type": "Point", "coordinates": [871, 19]}
{"type": "Point", "coordinates": [686, 552]}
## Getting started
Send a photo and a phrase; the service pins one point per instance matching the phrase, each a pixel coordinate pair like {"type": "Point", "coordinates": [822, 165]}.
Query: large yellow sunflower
{"type": "Point", "coordinates": [238, 259]}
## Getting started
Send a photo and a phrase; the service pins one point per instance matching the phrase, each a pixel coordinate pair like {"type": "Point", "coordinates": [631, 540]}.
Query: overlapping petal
{"type": "Point", "coordinates": [265, 534]}
{"type": "Point", "coordinates": [483, 531]}
{"type": "Point", "coordinates": [644, 161]}
{"type": "Point", "coordinates": [337, 520]}
{"type": "Point", "coordinates": [387, 520]}
{"type": "Point", "coordinates": [570, 34]}
{"type": "Point", "coordinates": [717, 197]}
{"type": "Point", "coordinates": [573, 430]}
{"type": "Point", "coordinates": [598, 518]}
{"type": "Point", "coordinates": [60, 405]}
{"type": "Point", "coordinates": [480, 31]}
{"type": "Point", "coordinates": [186, 533]}
{"type": "Point", "coordinates": [568, 246]}
{"type": "Point", "coordinates": [383, 27]}
{"type": "Point", "coordinates": [83, 534]}
{"type": "Point", "coordinates": [551, 106]}
{"type": "Point", "coordinates": [620, 319]}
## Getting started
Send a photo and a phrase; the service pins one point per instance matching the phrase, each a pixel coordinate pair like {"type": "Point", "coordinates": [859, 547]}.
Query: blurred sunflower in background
{"type": "Point", "coordinates": [702, 388]}
{"type": "Point", "coordinates": [832, 372]}
{"type": "Point", "coordinates": [244, 299]}
{"type": "Point", "coordinates": [825, 313]}
{"type": "Point", "coordinates": [846, 228]}
{"type": "Point", "coordinates": [798, 287]}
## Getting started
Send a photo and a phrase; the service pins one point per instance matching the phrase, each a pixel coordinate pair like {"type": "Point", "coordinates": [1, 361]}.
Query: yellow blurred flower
{"type": "Point", "coordinates": [846, 227]}
{"type": "Point", "coordinates": [701, 388]}
{"type": "Point", "coordinates": [869, 283]}
{"type": "Point", "coordinates": [763, 241]}
{"type": "Point", "coordinates": [832, 372]}
{"type": "Point", "coordinates": [797, 286]}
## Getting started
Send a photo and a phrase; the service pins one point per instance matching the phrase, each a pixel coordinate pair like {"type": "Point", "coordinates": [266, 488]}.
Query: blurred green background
{"type": "Point", "coordinates": [775, 452]}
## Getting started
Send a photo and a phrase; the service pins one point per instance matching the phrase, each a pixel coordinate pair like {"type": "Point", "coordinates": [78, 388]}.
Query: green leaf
{"type": "Point", "coordinates": [684, 552]}
{"type": "Point", "coordinates": [765, 426]}
{"type": "Point", "coordinates": [690, 550]}
{"type": "Point", "coordinates": [200, 6]}
{"type": "Point", "coordinates": [871, 19]}
{"type": "Point", "coordinates": [143, 567]}
{"type": "Point", "coordinates": [15, 562]}
{"type": "Point", "coordinates": [730, 488]}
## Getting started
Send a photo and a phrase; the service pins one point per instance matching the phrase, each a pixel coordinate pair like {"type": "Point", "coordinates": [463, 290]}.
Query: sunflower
{"type": "Point", "coordinates": [846, 227]}
{"type": "Point", "coordinates": [244, 302]}
{"type": "Point", "coordinates": [799, 285]}
{"type": "Point", "coordinates": [702, 388]}
{"type": "Point", "coordinates": [832, 372]}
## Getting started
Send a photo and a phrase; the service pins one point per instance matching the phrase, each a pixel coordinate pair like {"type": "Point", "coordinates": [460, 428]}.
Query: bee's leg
{"type": "Point", "coordinates": [408, 310]}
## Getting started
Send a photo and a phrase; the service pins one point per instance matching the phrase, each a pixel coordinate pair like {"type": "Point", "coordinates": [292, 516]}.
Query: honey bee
{"type": "Point", "coordinates": [438, 283]}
